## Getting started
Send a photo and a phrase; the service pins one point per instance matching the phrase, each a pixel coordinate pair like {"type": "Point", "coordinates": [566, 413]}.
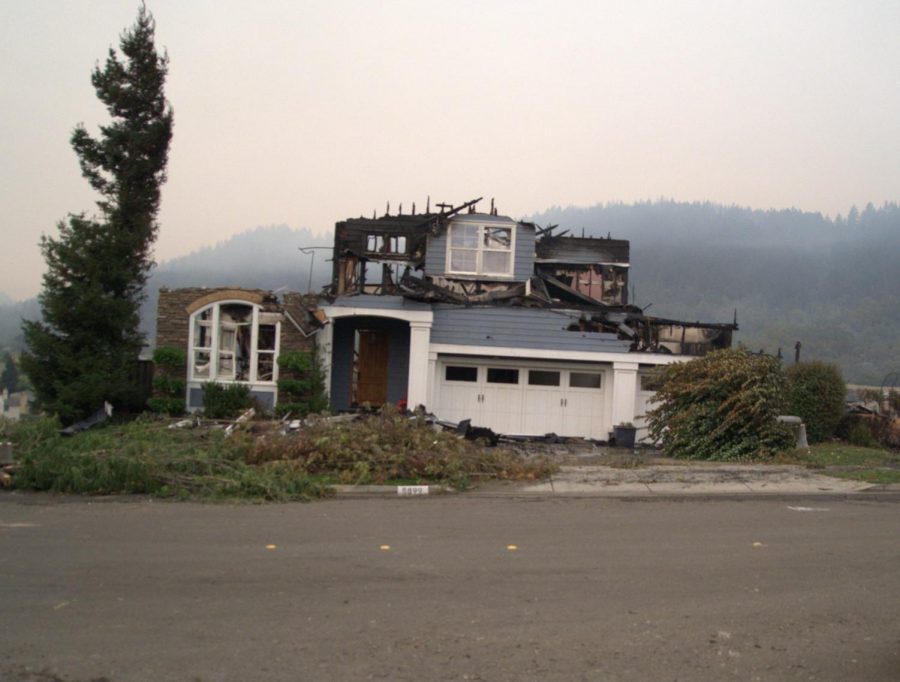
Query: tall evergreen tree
{"type": "Point", "coordinates": [84, 350]}
{"type": "Point", "coordinates": [9, 377]}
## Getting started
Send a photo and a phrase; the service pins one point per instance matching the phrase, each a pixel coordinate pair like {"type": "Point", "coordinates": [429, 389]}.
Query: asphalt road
{"type": "Point", "coordinates": [450, 588]}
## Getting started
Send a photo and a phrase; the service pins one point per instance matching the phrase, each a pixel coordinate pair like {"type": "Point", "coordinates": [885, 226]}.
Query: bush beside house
{"type": "Point", "coordinates": [301, 386]}
{"type": "Point", "coordinates": [817, 394]}
{"type": "Point", "coordinates": [168, 381]}
{"type": "Point", "coordinates": [721, 407]}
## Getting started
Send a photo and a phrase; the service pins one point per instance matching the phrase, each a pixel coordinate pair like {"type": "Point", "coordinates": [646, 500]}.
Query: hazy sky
{"type": "Point", "coordinates": [305, 113]}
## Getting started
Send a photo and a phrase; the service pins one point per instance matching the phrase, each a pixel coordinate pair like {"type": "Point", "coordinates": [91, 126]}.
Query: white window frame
{"type": "Point", "coordinates": [214, 350]}
{"type": "Point", "coordinates": [481, 249]}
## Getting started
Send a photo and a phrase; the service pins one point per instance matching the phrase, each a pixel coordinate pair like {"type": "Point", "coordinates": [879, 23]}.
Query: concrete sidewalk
{"type": "Point", "coordinates": [692, 479]}
{"type": "Point", "coordinates": [648, 480]}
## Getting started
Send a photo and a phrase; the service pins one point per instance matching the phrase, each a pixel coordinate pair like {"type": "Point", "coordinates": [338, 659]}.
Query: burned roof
{"type": "Point", "coordinates": [582, 250]}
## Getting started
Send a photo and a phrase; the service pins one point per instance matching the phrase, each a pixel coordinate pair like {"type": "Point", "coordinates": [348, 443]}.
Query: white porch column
{"type": "Point", "coordinates": [417, 387]}
{"type": "Point", "coordinates": [432, 379]}
{"type": "Point", "coordinates": [625, 375]}
{"type": "Point", "coordinates": [323, 342]}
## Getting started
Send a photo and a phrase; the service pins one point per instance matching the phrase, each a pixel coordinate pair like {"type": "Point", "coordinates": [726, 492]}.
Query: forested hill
{"type": "Point", "coordinates": [833, 284]}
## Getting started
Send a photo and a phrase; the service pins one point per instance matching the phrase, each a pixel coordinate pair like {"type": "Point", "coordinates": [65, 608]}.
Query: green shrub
{"type": "Point", "coordinates": [170, 386]}
{"type": "Point", "coordinates": [816, 394]}
{"type": "Point", "coordinates": [294, 386]}
{"type": "Point", "coordinates": [225, 401]}
{"type": "Point", "coordinates": [721, 407]}
{"type": "Point", "coordinates": [296, 361]}
{"type": "Point", "coordinates": [170, 357]}
{"type": "Point", "coordinates": [174, 407]}
{"type": "Point", "coordinates": [301, 388]}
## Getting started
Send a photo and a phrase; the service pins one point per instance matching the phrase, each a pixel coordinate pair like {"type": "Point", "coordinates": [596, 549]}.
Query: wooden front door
{"type": "Point", "coordinates": [372, 367]}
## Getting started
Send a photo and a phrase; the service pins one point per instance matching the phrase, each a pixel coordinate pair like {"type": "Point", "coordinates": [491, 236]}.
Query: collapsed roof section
{"type": "Point", "coordinates": [456, 255]}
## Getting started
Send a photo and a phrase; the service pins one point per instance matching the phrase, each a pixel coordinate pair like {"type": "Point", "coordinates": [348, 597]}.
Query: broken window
{"type": "Point", "coordinates": [391, 244]}
{"type": "Point", "coordinates": [475, 249]}
{"type": "Point", "coordinates": [234, 342]}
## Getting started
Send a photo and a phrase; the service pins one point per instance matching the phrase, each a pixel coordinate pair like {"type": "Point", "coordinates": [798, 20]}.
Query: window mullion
{"type": "Point", "coordinates": [214, 345]}
{"type": "Point", "coordinates": [254, 343]}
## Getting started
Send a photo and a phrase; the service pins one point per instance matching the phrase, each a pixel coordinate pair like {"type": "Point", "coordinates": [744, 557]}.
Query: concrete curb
{"type": "Point", "coordinates": [390, 490]}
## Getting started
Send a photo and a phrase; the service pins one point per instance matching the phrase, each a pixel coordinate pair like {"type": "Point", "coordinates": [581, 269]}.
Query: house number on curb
{"type": "Point", "coordinates": [412, 489]}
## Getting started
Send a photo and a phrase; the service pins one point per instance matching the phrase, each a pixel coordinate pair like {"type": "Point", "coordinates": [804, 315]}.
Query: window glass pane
{"type": "Point", "coordinates": [497, 238]}
{"type": "Point", "coordinates": [465, 236]}
{"type": "Point", "coordinates": [226, 338]}
{"type": "Point", "coordinates": [202, 334]}
{"type": "Point", "coordinates": [537, 377]}
{"type": "Point", "coordinates": [463, 260]}
{"type": "Point", "coordinates": [266, 340]}
{"type": "Point", "coordinates": [495, 262]}
{"type": "Point", "coordinates": [202, 363]}
{"type": "Point", "coordinates": [374, 242]}
{"type": "Point", "coordinates": [453, 373]}
{"type": "Point", "coordinates": [584, 380]}
{"type": "Point", "coordinates": [397, 245]}
{"type": "Point", "coordinates": [265, 367]}
{"type": "Point", "coordinates": [226, 366]}
{"type": "Point", "coordinates": [501, 375]}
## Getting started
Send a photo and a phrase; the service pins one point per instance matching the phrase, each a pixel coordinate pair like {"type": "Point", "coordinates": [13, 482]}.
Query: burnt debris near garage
{"type": "Point", "coordinates": [447, 257]}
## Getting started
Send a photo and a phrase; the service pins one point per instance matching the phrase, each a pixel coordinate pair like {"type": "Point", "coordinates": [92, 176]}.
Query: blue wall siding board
{"type": "Point", "coordinates": [517, 327]}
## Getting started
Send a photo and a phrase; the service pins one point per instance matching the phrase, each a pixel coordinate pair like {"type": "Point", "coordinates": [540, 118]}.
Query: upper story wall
{"type": "Point", "coordinates": [523, 249]}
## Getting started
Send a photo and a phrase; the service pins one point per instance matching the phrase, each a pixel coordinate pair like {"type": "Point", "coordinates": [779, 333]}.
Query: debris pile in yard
{"type": "Point", "coordinates": [255, 459]}
{"type": "Point", "coordinates": [390, 445]}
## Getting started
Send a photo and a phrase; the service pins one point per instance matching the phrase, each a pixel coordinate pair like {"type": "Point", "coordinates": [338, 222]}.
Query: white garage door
{"type": "Point", "coordinates": [523, 398]}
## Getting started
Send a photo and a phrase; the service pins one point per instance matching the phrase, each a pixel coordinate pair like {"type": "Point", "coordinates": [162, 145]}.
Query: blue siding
{"type": "Point", "coordinates": [517, 328]}
{"type": "Point", "coordinates": [523, 267]}
{"type": "Point", "coordinates": [342, 357]}
{"type": "Point", "coordinates": [195, 398]}
{"type": "Point", "coordinates": [266, 399]}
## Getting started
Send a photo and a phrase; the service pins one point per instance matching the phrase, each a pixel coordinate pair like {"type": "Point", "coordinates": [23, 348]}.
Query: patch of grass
{"type": "Point", "coordinates": [842, 454]}
{"type": "Point", "coordinates": [853, 462]}
{"type": "Point", "coordinates": [145, 457]}
{"type": "Point", "coordinates": [882, 476]}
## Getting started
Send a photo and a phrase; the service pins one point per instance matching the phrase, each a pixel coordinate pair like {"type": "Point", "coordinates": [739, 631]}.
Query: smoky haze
{"type": "Point", "coordinates": [303, 113]}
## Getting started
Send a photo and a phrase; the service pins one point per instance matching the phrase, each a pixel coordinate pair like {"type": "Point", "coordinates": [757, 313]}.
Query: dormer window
{"type": "Point", "coordinates": [480, 249]}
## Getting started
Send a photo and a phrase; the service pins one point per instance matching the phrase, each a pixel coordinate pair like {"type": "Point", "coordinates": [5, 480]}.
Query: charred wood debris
{"type": "Point", "coordinates": [586, 277]}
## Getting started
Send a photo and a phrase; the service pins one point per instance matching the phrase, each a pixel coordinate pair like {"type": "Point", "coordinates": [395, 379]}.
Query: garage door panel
{"type": "Point", "coordinates": [460, 388]}
{"type": "Point", "coordinates": [526, 399]}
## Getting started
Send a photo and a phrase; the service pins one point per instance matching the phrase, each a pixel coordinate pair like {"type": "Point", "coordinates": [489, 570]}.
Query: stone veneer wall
{"type": "Point", "coordinates": [291, 337]}
{"type": "Point", "coordinates": [175, 307]}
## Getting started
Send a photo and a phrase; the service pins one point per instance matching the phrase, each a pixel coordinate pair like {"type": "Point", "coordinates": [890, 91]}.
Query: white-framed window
{"type": "Point", "coordinates": [484, 249]}
{"type": "Point", "coordinates": [234, 341]}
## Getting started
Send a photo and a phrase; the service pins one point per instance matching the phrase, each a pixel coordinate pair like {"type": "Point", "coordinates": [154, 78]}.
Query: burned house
{"type": "Point", "coordinates": [523, 329]}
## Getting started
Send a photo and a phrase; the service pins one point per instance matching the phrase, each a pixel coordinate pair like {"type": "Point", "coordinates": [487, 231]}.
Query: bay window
{"type": "Point", "coordinates": [234, 341]}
